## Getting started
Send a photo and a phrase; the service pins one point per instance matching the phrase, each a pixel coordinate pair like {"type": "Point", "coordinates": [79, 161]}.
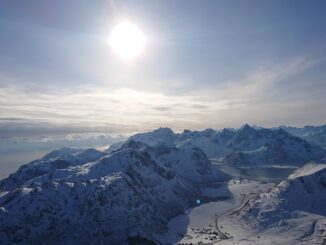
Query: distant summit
{"type": "Point", "coordinates": [313, 134]}
{"type": "Point", "coordinates": [158, 136]}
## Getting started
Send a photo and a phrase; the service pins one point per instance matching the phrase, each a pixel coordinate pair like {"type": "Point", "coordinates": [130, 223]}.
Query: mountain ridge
{"type": "Point", "coordinates": [245, 146]}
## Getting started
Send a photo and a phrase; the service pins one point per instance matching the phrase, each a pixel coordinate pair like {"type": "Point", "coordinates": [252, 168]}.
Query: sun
{"type": "Point", "coordinates": [127, 40]}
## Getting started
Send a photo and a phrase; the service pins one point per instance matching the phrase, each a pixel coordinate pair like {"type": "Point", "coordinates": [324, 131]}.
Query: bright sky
{"type": "Point", "coordinates": [205, 64]}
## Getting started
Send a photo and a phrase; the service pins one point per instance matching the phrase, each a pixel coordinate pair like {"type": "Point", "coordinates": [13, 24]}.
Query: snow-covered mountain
{"type": "Point", "coordinates": [304, 190]}
{"type": "Point", "coordinates": [295, 208]}
{"type": "Point", "coordinates": [158, 136]}
{"type": "Point", "coordinates": [72, 196]}
{"type": "Point", "coordinates": [248, 146]}
{"type": "Point", "coordinates": [252, 147]}
{"type": "Point", "coordinates": [213, 143]}
{"type": "Point", "coordinates": [313, 134]}
{"type": "Point", "coordinates": [57, 159]}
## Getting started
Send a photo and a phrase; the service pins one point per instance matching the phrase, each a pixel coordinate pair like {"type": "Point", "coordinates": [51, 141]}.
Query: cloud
{"type": "Point", "coordinates": [262, 81]}
{"type": "Point", "coordinates": [254, 98]}
{"type": "Point", "coordinates": [96, 107]}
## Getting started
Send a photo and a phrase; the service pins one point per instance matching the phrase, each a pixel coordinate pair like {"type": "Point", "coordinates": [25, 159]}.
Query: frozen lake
{"type": "Point", "coordinates": [273, 173]}
{"type": "Point", "coordinates": [189, 226]}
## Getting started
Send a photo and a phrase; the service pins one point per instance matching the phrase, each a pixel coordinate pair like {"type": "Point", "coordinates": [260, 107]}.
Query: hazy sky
{"type": "Point", "coordinates": [206, 64]}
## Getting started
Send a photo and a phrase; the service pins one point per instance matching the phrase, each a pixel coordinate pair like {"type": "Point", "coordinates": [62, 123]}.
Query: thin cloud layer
{"type": "Point", "coordinates": [255, 98]}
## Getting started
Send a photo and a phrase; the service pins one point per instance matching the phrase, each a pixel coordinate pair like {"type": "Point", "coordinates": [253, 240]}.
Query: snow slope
{"type": "Point", "coordinates": [294, 210]}
{"type": "Point", "coordinates": [304, 190]}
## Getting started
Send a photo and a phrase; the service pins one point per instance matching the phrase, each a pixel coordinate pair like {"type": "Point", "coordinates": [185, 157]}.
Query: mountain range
{"type": "Point", "coordinates": [132, 189]}
{"type": "Point", "coordinates": [247, 146]}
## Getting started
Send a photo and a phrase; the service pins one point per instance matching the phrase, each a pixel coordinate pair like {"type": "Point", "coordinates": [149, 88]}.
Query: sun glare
{"type": "Point", "coordinates": [127, 41]}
